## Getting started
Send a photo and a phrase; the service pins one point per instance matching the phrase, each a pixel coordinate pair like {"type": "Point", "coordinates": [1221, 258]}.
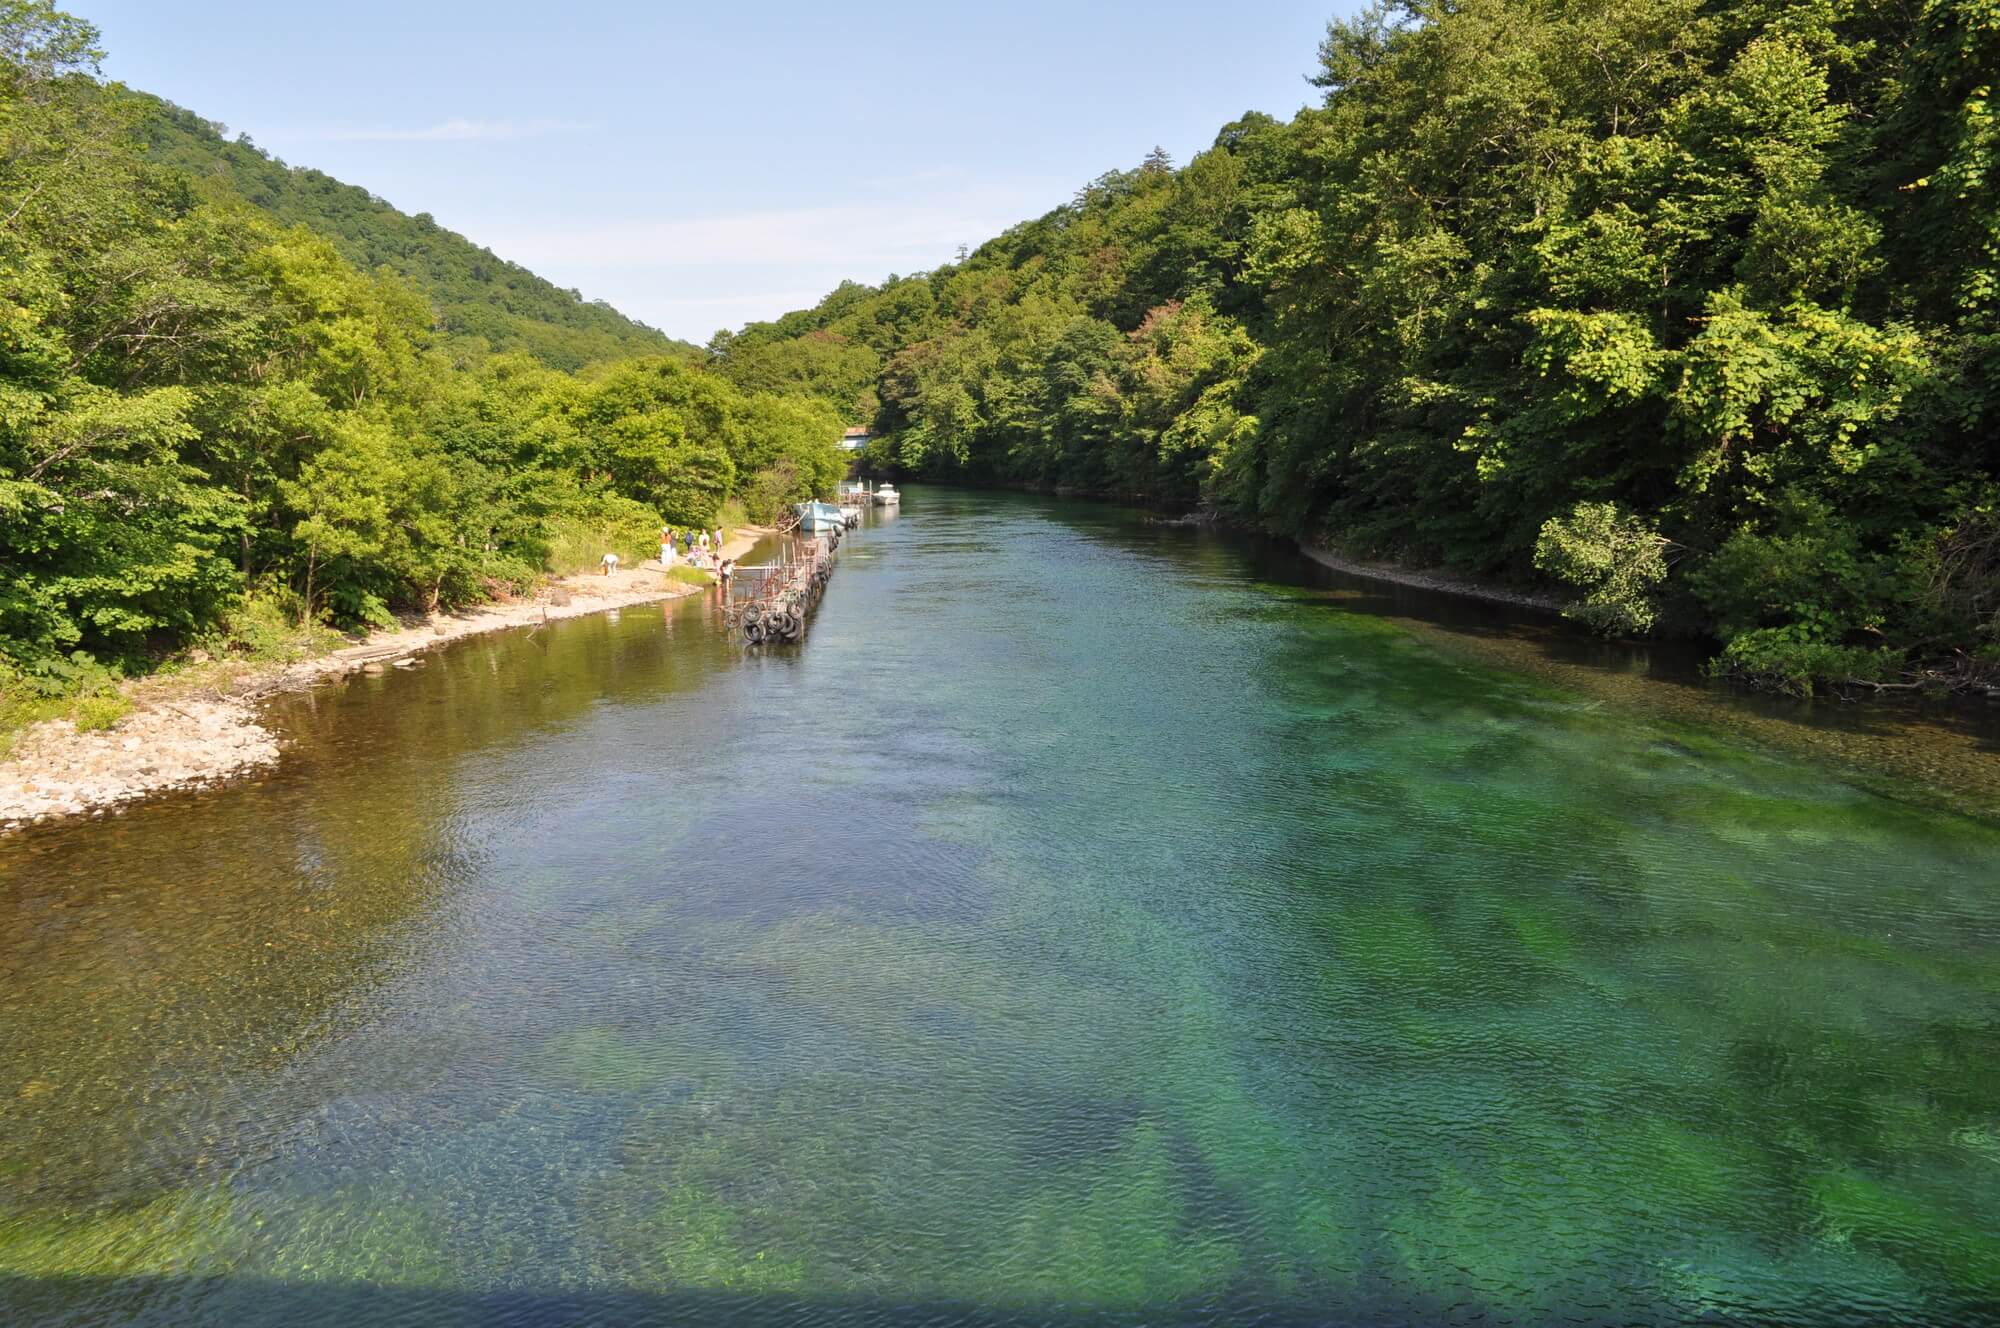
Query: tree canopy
{"type": "Point", "coordinates": [202, 399]}
{"type": "Point", "coordinates": [1716, 280]}
{"type": "Point", "coordinates": [473, 293]}
{"type": "Point", "coordinates": [1692, 308]}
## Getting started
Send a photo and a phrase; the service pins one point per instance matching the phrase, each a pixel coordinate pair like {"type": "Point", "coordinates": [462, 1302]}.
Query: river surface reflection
{"type": "Point", "coordinates": [1092, 922]}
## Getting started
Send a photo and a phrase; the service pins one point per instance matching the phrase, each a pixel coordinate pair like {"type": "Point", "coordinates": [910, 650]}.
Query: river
{"type": "Point", "coordinates": [1092, 922]}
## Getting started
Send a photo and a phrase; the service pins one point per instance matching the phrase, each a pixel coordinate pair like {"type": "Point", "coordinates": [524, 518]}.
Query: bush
{"type": "Point", "coordinates": [78, 688]}
{"type": "Point", "coordinates": [23, 701]}
{"type": "Point", "coordinates": [1794, 658]}
{"type": "Point", "coordinates": [261, 625]}
{"type": "Point", "coordinates": [1614, 557]}
{"type": "Point", "coordinates": [578, 541]}
{"type": "Point", "coordinates": [356, 608]}
{"type": "Point", "coordinates": [1809, 568]}
{"type": "Point", "coordinates": [91, 713]}
{"type": "Point", "coordinates": [269, 626]}
{"type": "Point", "coordinates": [733, 517]}
{"type": "Point", "coordinates": [508, 574]}
{"type": "Point", "coordinates": [772, 488]}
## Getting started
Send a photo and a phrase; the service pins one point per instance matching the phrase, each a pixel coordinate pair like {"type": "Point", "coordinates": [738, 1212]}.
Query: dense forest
{"type": "Point", "coordinates": [1693, 308]}
{"type": "Point", "coordinates": [473, 292]}
{"type": "Point", "coordinates": [216, 427]}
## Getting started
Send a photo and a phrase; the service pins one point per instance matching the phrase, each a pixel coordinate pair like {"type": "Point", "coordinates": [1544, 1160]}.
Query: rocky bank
{"type": "Point", "coordinates": [203, 727]}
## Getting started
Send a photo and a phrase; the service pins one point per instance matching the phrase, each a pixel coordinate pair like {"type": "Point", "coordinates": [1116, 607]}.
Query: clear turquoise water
{"type": "Point", "coordinates": [1092, 922]}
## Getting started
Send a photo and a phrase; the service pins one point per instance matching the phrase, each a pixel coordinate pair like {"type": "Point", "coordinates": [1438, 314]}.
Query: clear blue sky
{"type": "Point", "coordinates": [703, 165]}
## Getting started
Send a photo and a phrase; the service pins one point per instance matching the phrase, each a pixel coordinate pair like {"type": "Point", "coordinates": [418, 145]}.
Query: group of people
{"type": "Point", "coordinates": [701, 548]}
{"type": "Point", "coordinates": [698, 545]}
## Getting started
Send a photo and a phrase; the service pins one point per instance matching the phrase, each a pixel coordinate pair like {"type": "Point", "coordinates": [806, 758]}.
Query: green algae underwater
{"type": "Point", "coordinates": [1094, 922]}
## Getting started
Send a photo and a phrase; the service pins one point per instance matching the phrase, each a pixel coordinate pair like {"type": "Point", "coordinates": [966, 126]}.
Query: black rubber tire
{"type": "Point", "coordinates": [753, 632]}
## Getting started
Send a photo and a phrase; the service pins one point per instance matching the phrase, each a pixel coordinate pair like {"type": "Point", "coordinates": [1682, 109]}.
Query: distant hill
{"type": "Point", "coordinates": [475, 293]}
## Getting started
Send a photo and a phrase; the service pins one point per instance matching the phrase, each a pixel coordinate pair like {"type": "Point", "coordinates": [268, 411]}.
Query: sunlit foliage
{"type": "Point", "coordinates": [200, 402]}
{"type": "Point", "coordinates": [1732, 269]}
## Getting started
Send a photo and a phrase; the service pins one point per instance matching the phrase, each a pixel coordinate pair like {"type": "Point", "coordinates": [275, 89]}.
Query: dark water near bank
{"type": "Point", "coordinates": [1091, 923]}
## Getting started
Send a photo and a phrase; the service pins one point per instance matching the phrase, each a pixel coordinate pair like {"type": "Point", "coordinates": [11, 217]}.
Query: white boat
{"type": "Point", "coordinates": [886, 496]}
{"type": "Point", "coordinates": [819, 518]}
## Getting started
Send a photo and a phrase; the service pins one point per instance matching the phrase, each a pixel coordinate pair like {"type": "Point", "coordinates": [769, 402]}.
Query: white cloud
{"type": "Point", "coordinates": [782, 300]}
{"type": "Point", "coordinates": [698, 319]}
{"type": "Point", "coordinates": [692, 274]}
{"type": "Point", "coordinates": [867, 240]}
{"type": "Point", "coordinates": [455, 130]}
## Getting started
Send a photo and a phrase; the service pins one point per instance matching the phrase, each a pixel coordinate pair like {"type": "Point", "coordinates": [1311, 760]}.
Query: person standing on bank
{"type": "Point", "coordinates": [666, 546]}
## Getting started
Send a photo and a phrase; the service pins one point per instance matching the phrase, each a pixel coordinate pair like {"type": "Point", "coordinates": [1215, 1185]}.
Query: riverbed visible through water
{"type": "Point", "coordinates": [1092, 922]}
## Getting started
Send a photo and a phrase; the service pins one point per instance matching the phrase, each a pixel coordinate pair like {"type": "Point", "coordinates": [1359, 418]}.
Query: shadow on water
{"type": "Point", "coordinates": [1935, 750]}
{"type": "Point", "coordinates": [148, 1300]}
{"type": "Point", "coordinates": [254, 1303]}
{"type": "Point", "coordinates": [1091, 923]}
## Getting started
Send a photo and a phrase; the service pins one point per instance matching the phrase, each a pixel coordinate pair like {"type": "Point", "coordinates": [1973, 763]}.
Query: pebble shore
{"type": "Point", "coordinates": [1445, 582]}
{"type": "Point", "coordinates": [176, 737]}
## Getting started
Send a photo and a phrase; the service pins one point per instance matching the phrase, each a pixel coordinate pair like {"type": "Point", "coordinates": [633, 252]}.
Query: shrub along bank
{"type": "Point", "coordinates": [209, 419]}
{"type": "Point", "coordinates": [1692, 307]}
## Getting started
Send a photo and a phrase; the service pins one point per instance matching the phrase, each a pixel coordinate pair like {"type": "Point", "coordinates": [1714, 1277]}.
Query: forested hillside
{"type": "Point", "coordinates": [214, 427]}
{"type": "Point", "coordinates": [474, 293]}
{"type": "Point", "coordinates": [1692, 307]}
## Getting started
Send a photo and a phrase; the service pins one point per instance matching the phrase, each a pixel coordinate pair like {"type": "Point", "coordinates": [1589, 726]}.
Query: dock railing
{"type": "Point", "coordinates": [770, 602]}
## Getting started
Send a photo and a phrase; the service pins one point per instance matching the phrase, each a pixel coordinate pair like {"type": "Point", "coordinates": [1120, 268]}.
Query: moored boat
{"type": "Point", "coordinates": [886, 496]}
{"type": "Point", "coordinates": [820, 518]}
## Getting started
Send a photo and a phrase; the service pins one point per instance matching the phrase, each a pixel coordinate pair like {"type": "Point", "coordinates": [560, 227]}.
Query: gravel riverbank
{"type": "Point", "coordinates": [1446, 582]}
{"type": "Point", "coordinates": [199, 728]}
